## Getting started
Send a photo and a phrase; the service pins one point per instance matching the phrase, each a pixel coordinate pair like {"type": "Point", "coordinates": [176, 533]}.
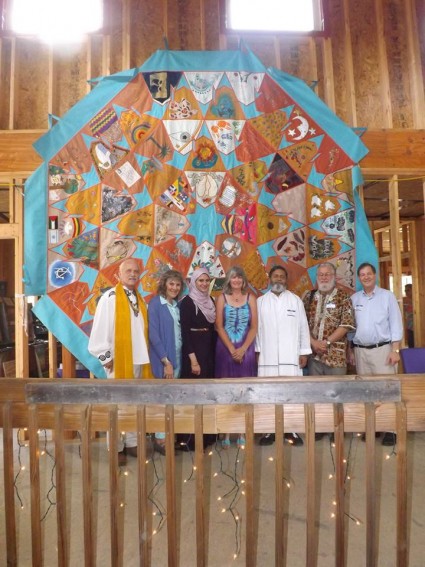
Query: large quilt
{"type": "Point", "coordinates": [194, 158]}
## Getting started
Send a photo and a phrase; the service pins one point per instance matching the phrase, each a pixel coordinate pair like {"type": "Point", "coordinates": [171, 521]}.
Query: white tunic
{"type": "Point", "coordinates": [283, 334]}
{"type": "Point", "coordinates": [102, 337]}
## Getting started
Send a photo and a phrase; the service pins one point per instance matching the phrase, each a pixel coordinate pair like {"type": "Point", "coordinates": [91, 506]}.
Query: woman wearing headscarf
{"type": "Point", "coordinates": [197, 318]}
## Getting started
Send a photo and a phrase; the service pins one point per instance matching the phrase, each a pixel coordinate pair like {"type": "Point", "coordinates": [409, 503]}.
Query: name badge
{"type": "Point", "coordinates": [330, 306]}
{"type": "Point", "coordinates": [358, 307]}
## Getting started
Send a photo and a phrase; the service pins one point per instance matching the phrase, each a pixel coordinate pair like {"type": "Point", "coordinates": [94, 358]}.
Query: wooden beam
{"type": "Point", "coordinates": [16, 151]}
{"type": "Point", "coordinates": [390, 151]}
{"type": "Point", "coordinates": [394, 151]}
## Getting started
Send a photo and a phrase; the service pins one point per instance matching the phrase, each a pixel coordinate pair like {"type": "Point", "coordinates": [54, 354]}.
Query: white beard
{"type": "Point", "coordinates": [278, 288]}
{"type": "Point", "coordinates": [326, 287]}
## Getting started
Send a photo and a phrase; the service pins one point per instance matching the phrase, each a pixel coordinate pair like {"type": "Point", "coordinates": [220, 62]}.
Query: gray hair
{"type": "Point", "coordinates": [235, 271]}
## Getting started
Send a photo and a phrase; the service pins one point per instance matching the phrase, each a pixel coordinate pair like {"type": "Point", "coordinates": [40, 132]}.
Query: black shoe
{"type": "Point", "coordinates": [318, 436]}
{"type": "Point", "coordinates": [294, 439]}
{"type": "Point", "coordinates": [122, 459]}
{"type": "Point", "coordinates": [132, 451]}
{"type": "Point", "coordinates": [389, 439]}
{"type": "Point", "coordinates": [267, 439]}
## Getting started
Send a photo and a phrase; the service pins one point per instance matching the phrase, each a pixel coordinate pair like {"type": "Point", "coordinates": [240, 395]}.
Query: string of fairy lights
{"type": "Point", "coordinates": [231, 467]}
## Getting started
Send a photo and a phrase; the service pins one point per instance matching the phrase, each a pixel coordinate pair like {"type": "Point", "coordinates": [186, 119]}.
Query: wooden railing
{"type": "Point", "coordinates": [305, 405]}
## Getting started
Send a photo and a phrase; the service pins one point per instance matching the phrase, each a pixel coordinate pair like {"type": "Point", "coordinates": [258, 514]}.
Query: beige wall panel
{"type": "Point", "coordinates": [31, 85]}
{"type": "Point", "coordinates": [336, 26]}
{"type": "Point", "coordinates": [367, 77]}
{"type": "Point", "coordinates": [5, 61]}
{"type": "Point", "coordinates": [420, 12]}
{"type": "Point", "coordinates": [172, 31]}
{"type": "Point", "coordinates": [184, 25]}
{"type": "Point", "coordinates": [297, 58]}
{"type": "Point", "coordinates": [116, 38]}
{"type": "Point", "coordinates": [146, 30]}
{"type": "Point", "coordinates": [212, 24]}
{"type": "Point", "coordinates": [96, 56]}
{"type": "Point", "coordinates": [320, 87]}
{"type": "Point", "coordinates": [398, 63]}
{"type": "Point", "coordinates": [261, 46]}
{"type": "Point", "coordinates": [188, 18]}
{"type": "Point", "coordinates": [70, 78]}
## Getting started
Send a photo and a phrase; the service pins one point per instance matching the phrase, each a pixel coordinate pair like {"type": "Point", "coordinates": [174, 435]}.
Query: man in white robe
{"type": "Point", "coordinates": [283, 337]}
{"type": "Point", "coordinates": [103, 337]}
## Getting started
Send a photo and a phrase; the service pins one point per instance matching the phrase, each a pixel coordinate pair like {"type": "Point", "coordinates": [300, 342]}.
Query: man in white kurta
{"type": "Point", "coordinates": [283, 337]}
{"type": "Point", "coordinates": [102, 338]}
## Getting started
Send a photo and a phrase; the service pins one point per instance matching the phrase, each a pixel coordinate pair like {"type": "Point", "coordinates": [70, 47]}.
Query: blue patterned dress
{"type": "Point", "coordinates": [237, 321]}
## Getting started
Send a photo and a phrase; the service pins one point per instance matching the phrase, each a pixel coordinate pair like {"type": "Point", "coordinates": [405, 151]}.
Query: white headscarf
{"type": "Point", "coordinates": [202, 299]}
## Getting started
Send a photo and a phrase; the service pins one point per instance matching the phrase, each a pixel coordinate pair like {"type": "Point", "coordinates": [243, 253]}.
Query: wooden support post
{"type": "Point", "coordinates": [384, 78]}
{"type": "Point", "coordinates": [114, 496]}
{"type": "Point", "coordinates": [395, 240]}
{"type": "Point", "coordinates": [62, 532]}
{"type": "Point", "coordinates": [311, 486]}
{"type": "Point", "coordinates": [371, 556]}
{"type": "Point", "coordinates": [250, 539]}
{"type": "Point", "coordinates": [402, 521]}
{"type": "Point", "coordinates": [279, 487]}
{"type": "Point", "coordinates": [144, 536]}
{"type": "Point", "coordinates": [68, 364]}
{"type": "Point", "coordinates": [21, 320]}
{"type": "Point", "coordinates": [349, 65]}
{"type": "Point", "coordinates": [328, 73]}
{"type": "Point", "coordinates": [339, 485]}
{"type": "Point", "coordinates": [89, 542]}
{"type": "Point", "coordinates": [9, 495]}
{"type": "Point", "coordinates": [170, 465]}
{"type": "Point", "coordinates": [201, 559]}
{"type": "Point", "coordinates": [53, 356]}
{"type": "Point", "coordinates": [36, 535]}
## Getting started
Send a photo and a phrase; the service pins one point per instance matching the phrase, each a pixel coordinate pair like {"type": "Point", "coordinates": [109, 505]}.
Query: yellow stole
{"type": "Point", "coordinates": [123, 358]}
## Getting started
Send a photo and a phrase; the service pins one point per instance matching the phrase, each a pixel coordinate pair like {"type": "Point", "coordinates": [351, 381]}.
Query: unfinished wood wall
{"type": "Point", "coordinates": [369, 70]}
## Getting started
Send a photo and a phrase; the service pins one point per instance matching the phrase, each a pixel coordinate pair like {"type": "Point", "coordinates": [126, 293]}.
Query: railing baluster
{"type": "Point", "coordinates": [339, 485]}
{"type": "Point", "coordinates": [89, 556]}
{"type": "Point", "coordinates": [250, 543]}
{"type": "Point", "coordinates": [171, 486]}
{"type": "Point", "coordinates": [63, 555]}
{"type": "Point", "coordinates": [279, 484]}
{"type": "Point", "coordinates": [401, 485]}
{"type": "Point", "coordinates": [371, 550]}
{"type": "Point", "coordinates": [37, 554]}
{"type": "Point", "coordinates": [9, 490]}
{"type": "Point", "coordinates": [116, 547]}
{"type": "Point", "coordinates": [144, 535]}
{"type": "Point", "coordinates": [201, 560]}
{"type": "Point", "coordinates": [311, 559]}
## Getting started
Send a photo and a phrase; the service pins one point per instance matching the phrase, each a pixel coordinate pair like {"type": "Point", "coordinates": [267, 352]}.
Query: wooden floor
{"type": "Point", "coordinates": [226, 513]}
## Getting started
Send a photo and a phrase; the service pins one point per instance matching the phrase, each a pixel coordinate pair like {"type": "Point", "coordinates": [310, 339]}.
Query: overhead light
{"type": "Point", "coordinates": [56, 21]}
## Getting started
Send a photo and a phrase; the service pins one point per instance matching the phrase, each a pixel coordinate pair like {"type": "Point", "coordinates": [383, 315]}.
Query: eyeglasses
{"type": "Point", "coordinates": [325, 275]}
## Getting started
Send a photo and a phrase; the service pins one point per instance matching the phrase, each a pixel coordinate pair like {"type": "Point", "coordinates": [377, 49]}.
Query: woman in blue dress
{"type": "Point", "coordinates": [236, 325]}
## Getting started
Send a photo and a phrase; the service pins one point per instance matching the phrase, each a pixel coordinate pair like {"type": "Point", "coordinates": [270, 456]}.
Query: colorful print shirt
{"type": "Point", "coordinates": [325, 313]}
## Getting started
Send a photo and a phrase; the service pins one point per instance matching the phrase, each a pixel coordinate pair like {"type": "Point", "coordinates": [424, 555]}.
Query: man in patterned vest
{"type": "Point", "coordinates": [330, 317]}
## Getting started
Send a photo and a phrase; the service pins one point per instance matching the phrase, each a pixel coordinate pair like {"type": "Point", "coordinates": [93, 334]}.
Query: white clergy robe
{"type": "Point", "coordinates": [102, 337]}
{"type": "Point", "coordinates": [283, 334]}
